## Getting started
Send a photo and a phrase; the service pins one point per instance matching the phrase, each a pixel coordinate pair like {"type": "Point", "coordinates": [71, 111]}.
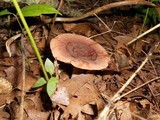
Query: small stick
{"type": "Point", "coordinates": [23, 80]}
{"type": "Point", "coordinates": [103, 22]}
{"type": "Point", "coordinates": [143, 34]}
{"type": "Point", "coordinates": [139, 87]}
{"type": "Point", "coordinates": [103, 8]}
{"type": "Point", "coordinates": [116, 97]}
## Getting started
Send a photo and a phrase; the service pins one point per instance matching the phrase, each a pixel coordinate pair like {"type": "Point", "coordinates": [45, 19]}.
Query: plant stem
{"type": "Point", "coordinates": [30, 37]}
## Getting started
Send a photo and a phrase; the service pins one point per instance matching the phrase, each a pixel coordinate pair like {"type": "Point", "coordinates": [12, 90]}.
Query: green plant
{"type": "Point", "coordinates": [52, 82]}
{"type": "Point", "coordinates": [32, 11]}
{"type": "Point", "coordinates": [149, 15]}
{"type": "Point", "coordinates": [29, 11]}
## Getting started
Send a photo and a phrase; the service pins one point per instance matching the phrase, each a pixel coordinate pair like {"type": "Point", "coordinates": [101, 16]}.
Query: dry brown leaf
{"type": "Point", "coordinates": [28, 48]}
{"type": "Point", "coordinates": [56, 115]}
{"type": "Point", "coordinates": [33, 107]}
{"type": "Point", "coordinates": [122, 60]}
{"type": "Point", "coordinates": [10, 61]}
{"type": "Point", "coordinates": [144, 103]}
{"type": "Point", "coordinates": [33, 102]}
{"type": "Point", "coordinates": [14, 75]}
{"type": "Point", "coordinates": [35, 67]}
{"type": "Point", "coordinates": [142, 109]}
{"type": "Point", "coordinates": [61, 96]}
{"type": "Point", "coordinates": [81, 91]}
{"type": "Point", "coordinates": [80, 116]}
{"type": "Point", "coordinates": [154, 117]}
{"type": "Point", "coordinates": [37, 115]}
{"type": "Point", "coordinates": [123, 110]}
{"type": "Point", "coordinates": [11, 73]}
{"type": "Point", "coordinates": [79, 28]}
{"type": "Point", "coordinates": [30, 79]}
{"type": "Point", "coordinates": [4, 115]}
{"type": "Point", "coordinates": [84, 95]}
{"type": "Point", "coordinates": [123, 53]}
{"type": "Point", "coordinates": [5, 86]}
{"type": "Point", "coordinates": [87, 109]}
{"type": "Point", "coordinates": [123, 40]}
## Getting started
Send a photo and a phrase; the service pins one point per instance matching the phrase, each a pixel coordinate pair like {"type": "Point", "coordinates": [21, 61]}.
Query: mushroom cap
{"type": "Point", "coordinates": [80, 51]}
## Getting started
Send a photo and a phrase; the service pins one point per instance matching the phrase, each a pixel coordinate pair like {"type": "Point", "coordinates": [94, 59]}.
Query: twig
{"type": "Point", "coordinates": [108, 31]}
{"type": "Point", "coordinates": [116, 97]}
{"type": "Point", "coordinates": [139, 87]}
{"type": "Point", "coordinates": [103, 22]}
{"type": "Point", "coordinates": [59, 6]}
{"type": "Point", "coordinates": [143, 34]}
{"type": "Point", "coordinates": [103, 8]}
{"type": "Point", "coordinates": [23, 80]}
{"type": "Point", "coordinates": [56, 68]}
{"type": "Point", "coordinates": [53, 21]}
{"type": "Point", "coordinates": [137, 116]}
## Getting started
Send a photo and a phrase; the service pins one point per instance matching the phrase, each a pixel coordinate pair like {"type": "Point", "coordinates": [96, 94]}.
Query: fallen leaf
{"type": "Point", "coordinates": [5, 86]}
{"type": "Point", "coordinates": [87, 109]}
{"type": "Point", "coordinates": [81, 91]}
{"type": "Point", "coordinates": [123, 111]}
{"type": "Point", "coordinates": [61, 96]}
{"type": "Point", "coordinates": [30, 79]}
{"type": "Point", "coordinates": [154, 117]}
{"type": "Point", "coordinates": [37, 115]}
{"type": "Point", "coordinates": [75, 28]}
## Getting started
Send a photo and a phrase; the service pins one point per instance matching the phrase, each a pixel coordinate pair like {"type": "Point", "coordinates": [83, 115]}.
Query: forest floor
{"type": "Point", "coordinates": [87, 92]}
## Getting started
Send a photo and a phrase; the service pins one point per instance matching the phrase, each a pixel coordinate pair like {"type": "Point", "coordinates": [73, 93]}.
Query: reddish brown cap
{"type": "Point", "coordinates": [79, 51]}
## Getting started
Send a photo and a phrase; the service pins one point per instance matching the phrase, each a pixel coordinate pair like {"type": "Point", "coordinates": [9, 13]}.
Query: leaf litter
{"type": "Point", "coordinates": [83, 95]}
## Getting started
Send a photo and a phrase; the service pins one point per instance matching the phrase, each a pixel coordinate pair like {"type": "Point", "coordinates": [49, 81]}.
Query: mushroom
{"type": "Point", "coordinates": [80, 51]}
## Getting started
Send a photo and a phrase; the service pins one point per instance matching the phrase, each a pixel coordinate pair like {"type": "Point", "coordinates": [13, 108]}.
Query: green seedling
{"type": "Point", "coordinates": [41, 81]}
{"type": "Point", "coordinates": [28, 11]}
{"type": "Point", "coordinates": [51, 85]}
{"type": "Point", "coordinates": [38, 9]}
{"type": "Point", "coordinates": [52, 82]}
{"type": "Point", "coordinates": [34, 10]}
{"type": "Point", "coordinates": [5, 12]}
{"type": "Point", "coordinates": [149, 15]}
{"type": "Point", "coordinates": [49, 66]}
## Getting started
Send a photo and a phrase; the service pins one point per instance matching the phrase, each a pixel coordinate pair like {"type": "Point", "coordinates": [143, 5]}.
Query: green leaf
{"type": "Point", "coordinates": [5, 12]}
{"type": "Point", "coordinates": [38, 9]}
{"type": "Point", "coordinates": [51, 85]}
{"type": "Point", "coordinates": [154, 0]}
{"type": "Point", "coordinates": [39, 83]}
{"type": "Point", "coordinates": [49, 66]}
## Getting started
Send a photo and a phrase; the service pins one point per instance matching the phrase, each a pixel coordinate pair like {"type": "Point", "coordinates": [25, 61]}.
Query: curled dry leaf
{"type": "Point", "coordinates": [9, 42]}
{"type": "Point", "coordinates": [87, 109]}
{"type": "Point", "coordinates": [5, 86]}
{"type": "Point", "coordinates": [79, 51]}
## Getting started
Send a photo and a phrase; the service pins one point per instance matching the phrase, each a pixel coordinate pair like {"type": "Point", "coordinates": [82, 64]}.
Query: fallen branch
{"type": "Point", "coordinates": [105, 7]}
{"type": "Point", "coordinates": [117, 96]}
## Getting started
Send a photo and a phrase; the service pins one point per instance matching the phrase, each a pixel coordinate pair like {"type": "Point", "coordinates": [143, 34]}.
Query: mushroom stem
{"type": "Point", "coordinates": [56, 68]}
